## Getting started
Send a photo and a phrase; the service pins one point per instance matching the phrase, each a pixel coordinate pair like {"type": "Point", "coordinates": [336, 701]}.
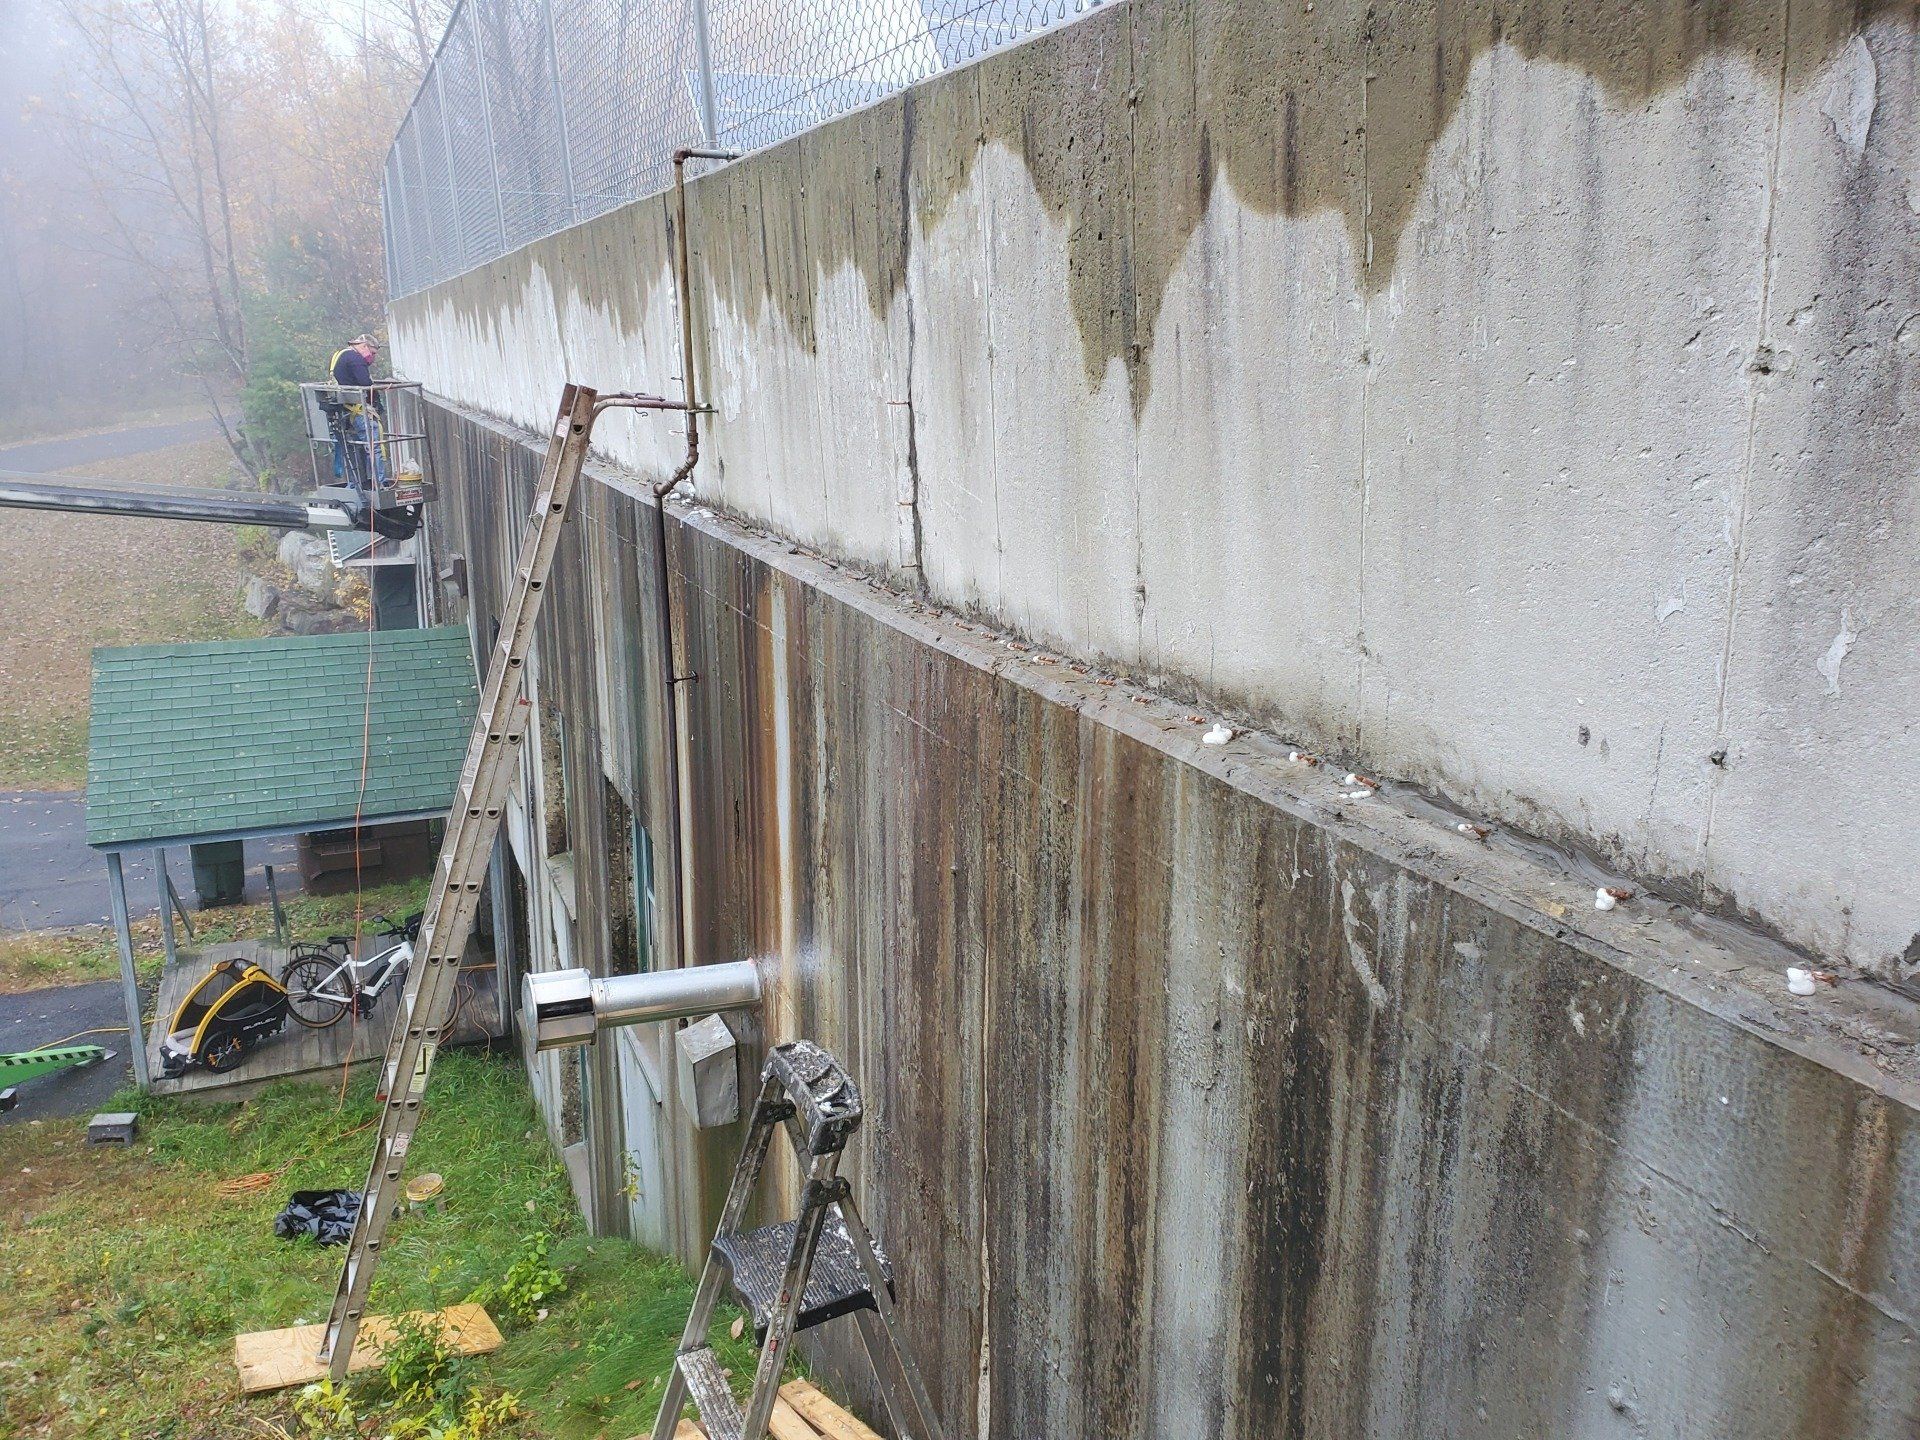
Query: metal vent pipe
{"type": "Point", "coordinates": [562, 1008]}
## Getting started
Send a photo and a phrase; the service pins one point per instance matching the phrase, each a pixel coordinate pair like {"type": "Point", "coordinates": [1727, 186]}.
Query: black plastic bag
{"type": "Point", "coordinates": [327, 1215]}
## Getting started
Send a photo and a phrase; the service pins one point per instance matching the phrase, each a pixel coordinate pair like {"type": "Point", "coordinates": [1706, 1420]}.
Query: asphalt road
{"type": "Point", "coordinates": [49, 879]}
{"type": "Point", "coordinates": [38, 1017]}
{"type": "Point", "coordinates": [45, 457]}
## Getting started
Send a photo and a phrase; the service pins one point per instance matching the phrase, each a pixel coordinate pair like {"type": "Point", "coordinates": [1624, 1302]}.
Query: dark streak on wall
{"type": "Point", "coordinates": [1191, 1108]}
{"type": "Point", "coordinates": [1126, 127]}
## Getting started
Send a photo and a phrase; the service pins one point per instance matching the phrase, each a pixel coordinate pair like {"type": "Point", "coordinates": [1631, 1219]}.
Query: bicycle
{"type": "Point", "coordinates": [325, 983]}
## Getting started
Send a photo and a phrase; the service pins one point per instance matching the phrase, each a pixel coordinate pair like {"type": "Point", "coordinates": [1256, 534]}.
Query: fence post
{"type": "Point", "coordinates": [486, 123]}
{"type": "Point", "coordinates": [459, 237]}
{"type": "Point", "coordinates": [703, 57]}
{"type": "Point", "coordinates": [387, 201]}
{"type": "Point", "coordinates": [560, 109]}
{"type": "Point", "coordinates": [436, 272]}
{"type": "Point", "coordinates": [129, 982]}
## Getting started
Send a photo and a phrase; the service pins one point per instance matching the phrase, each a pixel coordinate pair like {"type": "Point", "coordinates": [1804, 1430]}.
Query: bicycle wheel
{"type": "Point", "coordinates": [317, 995]}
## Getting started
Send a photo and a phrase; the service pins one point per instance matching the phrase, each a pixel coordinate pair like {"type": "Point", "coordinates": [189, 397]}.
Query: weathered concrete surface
{"type": "Point", "coordinates": [1203, 1098]}
{"type": "Point", "coordinates": [1517, 398]}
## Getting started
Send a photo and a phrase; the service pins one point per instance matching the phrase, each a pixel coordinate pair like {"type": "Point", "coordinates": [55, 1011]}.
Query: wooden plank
{"type": "Point", "coordinates": [687, 1430]}
{"type": "Point", "coordinates": [785, 1424]}
{"type": "Point", "coordinates": [833, 1422]}
{"type": "Point", "coordinates": [277, 1359]}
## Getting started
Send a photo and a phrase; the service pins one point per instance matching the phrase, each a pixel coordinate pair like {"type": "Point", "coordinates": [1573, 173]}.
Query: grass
{"type": "Point", "coordinates": [46, 750]}
{"type": "Point", "coordinates": [130, 1271]}
{"type": "Point", "coordinates": [89, 952]}
{"type": "Point", "coordinates": [77, 581]}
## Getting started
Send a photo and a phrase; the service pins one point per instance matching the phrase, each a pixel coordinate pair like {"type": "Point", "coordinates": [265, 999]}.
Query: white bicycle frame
{"type": "Point", "coordinates": [391, 962]}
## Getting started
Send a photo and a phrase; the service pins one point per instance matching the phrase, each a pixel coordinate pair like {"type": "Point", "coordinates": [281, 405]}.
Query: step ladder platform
{"type": "Point", "coordinates": [837, 1285]}
{"type": "Point", "coordinates": [802, 1413]}
{"type": "Point", "coordinates": [281, 1359]}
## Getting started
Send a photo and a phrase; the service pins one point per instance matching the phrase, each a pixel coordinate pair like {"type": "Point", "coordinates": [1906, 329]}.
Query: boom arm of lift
{"type": "Point", "coordinates": [331, 510]}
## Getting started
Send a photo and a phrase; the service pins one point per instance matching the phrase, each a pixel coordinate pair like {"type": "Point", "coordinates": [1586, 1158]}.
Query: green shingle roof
{"type": "Point", "coordinates": [195, 741]}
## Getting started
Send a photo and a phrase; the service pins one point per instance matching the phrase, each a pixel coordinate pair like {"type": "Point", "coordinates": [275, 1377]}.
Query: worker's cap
{"type": "Point", "coordinates": [366, 340]}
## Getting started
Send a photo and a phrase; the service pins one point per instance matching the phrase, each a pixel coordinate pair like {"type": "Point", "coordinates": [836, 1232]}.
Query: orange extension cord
{"type": "Point", "coordinates": [366, 752]}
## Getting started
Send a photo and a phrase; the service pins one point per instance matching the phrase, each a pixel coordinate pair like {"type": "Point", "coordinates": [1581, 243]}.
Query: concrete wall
{"type": "Point", "coordinates": [1607, 434]}
{"type": "Point", "coordinates": [1202, 1099]}
{"type": "Point", "coordinates": [1514, 398]}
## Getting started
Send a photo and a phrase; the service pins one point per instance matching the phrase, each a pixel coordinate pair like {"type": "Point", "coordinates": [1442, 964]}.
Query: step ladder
{"type": "Point", "coordinates": [793, 1274]}
{"type": "Point", "coordinates": [473, 823]}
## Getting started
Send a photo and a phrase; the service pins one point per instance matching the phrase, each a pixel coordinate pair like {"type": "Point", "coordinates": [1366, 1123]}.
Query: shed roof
{"type": "Point", "coordinates": [262, 737]}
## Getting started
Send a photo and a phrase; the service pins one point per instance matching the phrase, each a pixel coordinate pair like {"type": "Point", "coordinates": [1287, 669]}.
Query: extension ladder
{"type": "Point", "coordinates": [793, 1274]}
{"type": "Point", "coordinates": [473, 823]}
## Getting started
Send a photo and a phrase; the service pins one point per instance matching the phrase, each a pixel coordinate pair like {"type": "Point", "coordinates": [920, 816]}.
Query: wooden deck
{"type": "Point", "coordinates": [298, 1052]}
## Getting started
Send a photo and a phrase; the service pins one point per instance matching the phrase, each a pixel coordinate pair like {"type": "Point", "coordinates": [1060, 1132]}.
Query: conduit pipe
{"type": "Point", "coordinates": [684, 275]}
{"type": "Point", "coordinates": [670, 678]}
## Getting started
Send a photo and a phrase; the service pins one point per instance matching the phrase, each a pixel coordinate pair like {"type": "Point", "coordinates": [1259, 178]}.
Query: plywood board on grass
{"type": "Point", "coordinates": [277, 1359]}
{"type": "Point", "coordinates": [801, 1413]}
{"type": "Point", "coordinates": [833, 1422]}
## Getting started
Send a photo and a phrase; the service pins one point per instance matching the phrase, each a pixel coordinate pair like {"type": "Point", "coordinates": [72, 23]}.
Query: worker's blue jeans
{"type": "Point", "coordinates": [365, 448]}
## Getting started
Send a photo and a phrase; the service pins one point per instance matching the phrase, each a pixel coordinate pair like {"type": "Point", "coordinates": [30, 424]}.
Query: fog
{"type": "Point", "coordinates": [189, 202]}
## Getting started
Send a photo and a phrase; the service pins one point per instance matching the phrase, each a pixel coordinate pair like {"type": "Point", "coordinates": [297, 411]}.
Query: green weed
{"type": "Point", "coordinates": [90, 952]}
{"type": "Point", "coordinates": [130, 1271]}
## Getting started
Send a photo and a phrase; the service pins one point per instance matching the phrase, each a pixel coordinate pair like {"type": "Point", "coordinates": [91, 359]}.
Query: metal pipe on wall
{"type": "Point", "coordinates": [561, 1008]}
{"type": "Point", "coordinates": [663, 590]}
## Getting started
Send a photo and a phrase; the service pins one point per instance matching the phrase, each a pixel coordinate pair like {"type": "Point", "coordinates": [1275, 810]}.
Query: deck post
{"type": "Point", "coordinates": [166, 906]}
{"type": "Point", "coordinates": [129, 982]}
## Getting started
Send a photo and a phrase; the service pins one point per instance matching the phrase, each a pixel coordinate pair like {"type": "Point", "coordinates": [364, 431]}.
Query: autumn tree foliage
{"type": "Point", "coordinates": [212, 171]}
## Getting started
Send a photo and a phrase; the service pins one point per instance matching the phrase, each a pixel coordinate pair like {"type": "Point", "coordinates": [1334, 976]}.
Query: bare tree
{"type": "Point", "coordinates": [146, 120]}
{"type": "Point", "coordinates": [397, 35]}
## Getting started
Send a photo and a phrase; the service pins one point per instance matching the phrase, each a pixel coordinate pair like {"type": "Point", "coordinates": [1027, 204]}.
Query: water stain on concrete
{"type": "Point", "coordinates": [1128, 121]}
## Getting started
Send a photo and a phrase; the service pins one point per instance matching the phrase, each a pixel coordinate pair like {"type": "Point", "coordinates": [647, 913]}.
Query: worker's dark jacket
{"type": "Point", "coordinates": [350, 367]}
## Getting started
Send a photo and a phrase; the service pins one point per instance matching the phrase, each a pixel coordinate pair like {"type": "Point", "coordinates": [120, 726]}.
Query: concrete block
{"type": "Point", "coordinates": [709, 1073]}
{"type": "Point", "coordinates": [113, 1127]}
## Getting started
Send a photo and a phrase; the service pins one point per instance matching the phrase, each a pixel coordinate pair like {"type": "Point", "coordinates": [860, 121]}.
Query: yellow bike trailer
{"type": "Point", "coordinates": [233, 1008]}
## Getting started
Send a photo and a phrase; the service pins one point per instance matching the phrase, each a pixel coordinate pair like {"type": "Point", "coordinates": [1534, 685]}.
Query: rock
{"type": "Point", "coordinates": [301, 614]}
{"type": "Point", "coordinates": [263, 598]}
{"type": "Point", "coordinates": [309, 560]}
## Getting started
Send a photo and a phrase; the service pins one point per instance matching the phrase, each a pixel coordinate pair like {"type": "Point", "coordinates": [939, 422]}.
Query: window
{"type": "Point", "coordinates": [623, 945]}
{"type": "Point", "coordinates": [573, 1096]}
{"type": "Point", "coordinates": [647, 931]}
{"type": "Point", "coordinates": [553, 776]}
{"type": "Point", "coordinates": [631, 913]}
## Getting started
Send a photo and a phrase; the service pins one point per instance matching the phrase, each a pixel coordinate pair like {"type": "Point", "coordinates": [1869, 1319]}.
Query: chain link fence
{"type": "Point", "coordinates": [538, 114]}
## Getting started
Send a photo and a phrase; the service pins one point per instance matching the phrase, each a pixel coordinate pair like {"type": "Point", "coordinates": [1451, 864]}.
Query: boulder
{"type": "Point", "coordinates": [301, 614]}
{"type": "Point", "coordinates": [310, 561]}
{"type": "Point", "coordinates": [263, 597]}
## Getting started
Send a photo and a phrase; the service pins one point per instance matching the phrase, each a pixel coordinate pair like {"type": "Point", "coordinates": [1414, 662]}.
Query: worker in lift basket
{"type": "Point", "coordinates": [353, 367]}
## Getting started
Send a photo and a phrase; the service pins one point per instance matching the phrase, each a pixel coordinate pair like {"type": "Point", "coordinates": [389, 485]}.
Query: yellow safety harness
{"type": "Point", "coordinates": [356, 408]}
